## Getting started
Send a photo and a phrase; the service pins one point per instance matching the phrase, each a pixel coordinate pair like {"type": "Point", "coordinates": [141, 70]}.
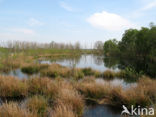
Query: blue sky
{"type": "Point", "coordinates": [67, 21]}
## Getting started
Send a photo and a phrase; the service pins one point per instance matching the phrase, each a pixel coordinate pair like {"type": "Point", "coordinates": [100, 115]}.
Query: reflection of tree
{"type": "Point", "coordinates": [138, 64]}
{"type": "Point", "coordinates": [111, 62]}
{"type": "Point", "coordinates": [98, 60]}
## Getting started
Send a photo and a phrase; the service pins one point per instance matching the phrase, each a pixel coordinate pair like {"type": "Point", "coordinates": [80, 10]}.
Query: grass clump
{"type": "Point", "coordinates": [108, 74]}
{"type": "Point", "coordinates": [90, 72]}
{"type": "Point", "coordinates": [33, 68]}
{"type": "Point", "coordinates": [12, 87]}
{"type": "Point", "coordinates": [69, 96]}
{"type": "Point", "coordinates": [62, 110]}
{"type": "Point", "coordinates": [78, 74]}
{"type": "Point", "coordinates": [56, 70]}
{"type": "Point", "coordinates": [42, 86]}
{"type": "Point", "coordinates": [93, 91]}
{"type": "Point", "coordinates": [144, 94]}
{"type": "Point", "coordinates": [13, 110]}
{"type": "Point", "coordinates": [37, 104]}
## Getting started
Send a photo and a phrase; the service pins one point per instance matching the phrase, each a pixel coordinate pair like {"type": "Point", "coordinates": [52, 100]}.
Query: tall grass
{"type": "Point", "coordinates": [37, 104]}
{"type": "Point", "coordinates": [13, 110]}
{"type": "Point", "coordinates": [12, 87]}
{"type": "Point", "coordinates": [62, 110]}
{"type": "Point", "coordinates": [93, 91]}
{"type": "Point", "coordinates": [56, 70]}
{"type": "Point", "coordinates": [72, 98]}
{"type": "Point", "coordinates": [42, 86]}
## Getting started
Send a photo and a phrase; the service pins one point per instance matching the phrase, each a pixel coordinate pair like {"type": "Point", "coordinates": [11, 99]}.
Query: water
{"type": "Point", "coordinates": [18, 73]}
{"type": "Point", "coordinates": [94, 62]}
{"type": "Point", "coordinates": [116, 82]}
{"type": "Point", "coordinates": [101, 111]}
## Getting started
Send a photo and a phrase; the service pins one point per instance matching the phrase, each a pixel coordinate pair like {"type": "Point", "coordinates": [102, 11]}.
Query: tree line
{"type": "Point", "coordinates": [23, 45]}
{"type": "Point", "coordinates": [134, 43]}
{"type": "Point", "coordinates": [137, 46]}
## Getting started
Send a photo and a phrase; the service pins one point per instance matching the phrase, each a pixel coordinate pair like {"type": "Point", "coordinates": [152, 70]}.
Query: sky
{"type": "Point", "coordinates": [69, 21]}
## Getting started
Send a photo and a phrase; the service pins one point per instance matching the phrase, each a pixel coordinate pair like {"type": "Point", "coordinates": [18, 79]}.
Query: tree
{"type": "Point", "coordinates": [127, 44]}
{"type": "Point", "coordinates": [98, 45]}
{"type": "Point", "coordinates": [111, 47]}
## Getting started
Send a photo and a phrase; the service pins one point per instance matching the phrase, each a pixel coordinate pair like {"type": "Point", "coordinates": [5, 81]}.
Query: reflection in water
{"type": "Point", "coordinates": [116, 82]}
{"type": "Point", "coordinates": [101, 111]}
{"type": "Point", "coordinates": [95, 62]}
{"type": "Point", "coordinates": [18, 73]}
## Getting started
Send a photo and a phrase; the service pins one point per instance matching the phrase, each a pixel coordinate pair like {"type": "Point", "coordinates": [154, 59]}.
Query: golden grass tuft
{"type": "Point", "coordinates": [42, 86]}
{"type": "Point", "coordinates": [69, 96]}
{"type": "Point", "coordinates": [12, 87]}
{"type": "Point", "coordinates": [62, 110]}
{"type": "Point", "coordinates": [37, 104]}
{"type": "Point", "coordinates": [13, 110]}
{"type": "Point", "coordinates": [93, 90]}
{"type": "Point", "coordinates": [55, 70]}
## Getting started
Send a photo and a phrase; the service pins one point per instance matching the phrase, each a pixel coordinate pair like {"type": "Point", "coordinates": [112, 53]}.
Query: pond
{"type": "Point", "coordinates": [92, 61]}
{"type": "Point", "coordinates": [101, 111]}
{"type": "Point", "coordinates": [18, 73]}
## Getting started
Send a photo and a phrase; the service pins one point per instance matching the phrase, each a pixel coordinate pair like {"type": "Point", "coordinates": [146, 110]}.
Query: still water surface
{"type": "Point", "coordinates": [92, 61]}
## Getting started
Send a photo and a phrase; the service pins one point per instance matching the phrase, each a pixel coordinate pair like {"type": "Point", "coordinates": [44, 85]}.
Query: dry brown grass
{"type": "Point", "coordinates": [42, 86]}
{"type": "Point", "coordinates": [13, 110]}
{"type": "Point", "coordinates": [148, 85]}
{"type": "Point", "coordinates": [37, 104]}
{"type": "Point", "coordinates": [69, 96]}
{"type": "Point", "coordinates": [62, 110]}
{"type": "Point", "coordinates": [143, 94]}
{"type": "Point", "coordinates": [12, 87]}
{"type": "Point", "coordinates": [55, 70]}
{"type": "Point", "coordinates": [93, 90]}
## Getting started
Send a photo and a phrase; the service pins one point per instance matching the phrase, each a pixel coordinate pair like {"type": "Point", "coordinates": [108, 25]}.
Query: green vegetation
{"type": "Point", "coordinates": [138, 47]}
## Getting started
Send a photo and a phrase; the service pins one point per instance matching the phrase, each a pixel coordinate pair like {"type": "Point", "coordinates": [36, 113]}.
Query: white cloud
{"type": "Point", "coordinates": [35, 22]}
{"type": "Point", "coordinates": [109, 21]}
{"type": "Point", "coordinates": [22, 30]}
{"type": "Point", "coordinates": [66, 6]}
